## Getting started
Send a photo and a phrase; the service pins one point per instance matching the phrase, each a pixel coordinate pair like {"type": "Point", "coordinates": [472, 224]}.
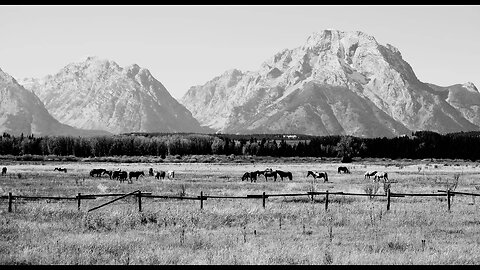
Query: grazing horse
{"type": "Point", "coordinates": [318, 175]}
{"type": "Point", "coordinates": [171, 174]}
{"type": "Point", "coordinates": [60, 169]}
{"type": "Point", "coordinates": [283, 174]}
{"type": "Point", "coordinates": [109, 173]}
{"type": "Point", "coordinates": [116, 174]}
{"type": "Point", "coordinates": [369, 174]}
{"type": "Point", "coordinates": [135, 174]}
{"type": "Point", "coordinates": [269, 173]}
{"type": "Point", "coordinates": [250, 175]}
{"type": "Point", "coordinates": [97, 172]}
{"type": "Point", "coordinates": [160, 174]}
{"type": "Point", "coordinates": [343, 169]}
{"type": "Point", "coordinates": [246, 176]}
{"type": "Point", "coordinates": [253, 176]}
{"type": "Point", "coordinates": [382, 175]}
{"type": "Point", "coordinates": [122, 176]}
{"type": "Point", "coordinates": [4, 171]}
{"type": "Point", "coordinates": [150, 172]}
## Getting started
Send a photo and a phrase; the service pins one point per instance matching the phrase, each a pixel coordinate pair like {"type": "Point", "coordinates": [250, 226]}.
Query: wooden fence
{"type": "Point", "coordinates": [139, 195]}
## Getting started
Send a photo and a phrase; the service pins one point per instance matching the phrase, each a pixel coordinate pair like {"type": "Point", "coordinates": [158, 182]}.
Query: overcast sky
{"type": "Point", "coordinates": [183, 46]}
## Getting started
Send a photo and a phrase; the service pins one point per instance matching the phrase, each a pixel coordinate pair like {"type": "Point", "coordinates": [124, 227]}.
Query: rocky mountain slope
{"type": "Point", "coordinates": [99, 94]}
{"type": "Point", "coordinates": [22, 112]}
{"type": "Point", "coordinates": [336, 83]}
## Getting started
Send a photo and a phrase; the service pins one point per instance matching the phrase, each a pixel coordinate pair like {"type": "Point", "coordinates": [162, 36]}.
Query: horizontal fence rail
{"type": "Point", "coordinates": [139, 195]}
{"type": "Point", "coordinates": [461, 193]}
{"type": "Point", "coordinates": [171, 197]}
{"type": "Point", "coordinates": [416, 195]}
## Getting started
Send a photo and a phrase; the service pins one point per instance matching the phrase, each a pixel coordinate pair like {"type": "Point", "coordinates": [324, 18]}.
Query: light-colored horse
{"type": "Point", "coordinates": [170, 174]}
{"type": "Point", "coordinates": [370, 174]}
{"type": "Point", "coordinates": [381, 175]}
{"type": "Point", "coordinates": [318, 175]}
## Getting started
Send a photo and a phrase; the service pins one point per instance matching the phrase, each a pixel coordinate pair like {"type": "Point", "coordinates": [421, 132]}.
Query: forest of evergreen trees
{"type": "Point", "coordinates": [420, 145]}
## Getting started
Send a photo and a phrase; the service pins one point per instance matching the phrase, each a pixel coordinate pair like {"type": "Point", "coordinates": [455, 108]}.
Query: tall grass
{"type": "Point", "coordinates": [354, 230]}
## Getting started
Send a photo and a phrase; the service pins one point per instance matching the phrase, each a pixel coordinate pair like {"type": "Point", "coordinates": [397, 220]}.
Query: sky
{"type": "Point", "coordinates": [184, 46]}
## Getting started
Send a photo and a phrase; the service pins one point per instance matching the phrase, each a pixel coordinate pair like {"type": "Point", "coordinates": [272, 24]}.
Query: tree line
{"type": "Point", "coordinates": [420, 145]}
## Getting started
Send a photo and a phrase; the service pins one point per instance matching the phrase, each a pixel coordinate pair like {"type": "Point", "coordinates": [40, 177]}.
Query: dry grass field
{"type": "Point", "coordinates": [290, 230]}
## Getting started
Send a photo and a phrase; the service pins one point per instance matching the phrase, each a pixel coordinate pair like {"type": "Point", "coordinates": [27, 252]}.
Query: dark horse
{"type": "Point", "coordinates": [269, 173]}
{"type": "Point", "coordinates": [109, 173]}
{"type": "Point", "coordinates": [150, 172]}
{"type": "Point", "coordinates": [343, 169]}
{"type": "Point", "coordinates": [4, 171]}
{"type": "Point", "coordinates": [283, 174]}
{"type": "Point", "coordinates": [60, 169]}
{"type": "Point", "coordinates": [97, 172]}
{"type": "Point", "coordinates": [122, 175]}
{"type": "Point", "coordinates": [135, 174]}
{"type": "Point", "coordinates": [160, 174]}
{"type": "Point", "coordinates": [318, 175]}
{"type": "Point", "coordinates": [250, 175]}
{"type": "Point", "coordinates": [116, 174]}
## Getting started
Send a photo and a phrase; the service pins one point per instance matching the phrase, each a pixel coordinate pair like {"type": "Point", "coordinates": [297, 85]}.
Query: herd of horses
{"type": "Point", "coordinates": [269, 172]}
{"type": "Point", "coordinates": [123, 175]}
{"type": "Point", "coordinates": [252, 176]}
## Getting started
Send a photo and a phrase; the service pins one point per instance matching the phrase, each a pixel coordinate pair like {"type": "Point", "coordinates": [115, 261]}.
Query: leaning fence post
{"type": "Point", "coordinates": [326, 201]}
{"type": "Point", "coordinates": [139, 201]}
{"type": "Point", "coordinates": [10, 200]}
{"type": "Point", "coordinates": [201, 199]}
{"type": "Point", "coordinates": [79, 198]}
{"type": "Point", "coordinates": [448, 199]}
{"type": "Point", "coordinates": [388, 199]}
{"type": "Point", "coordinates": [263, 199]}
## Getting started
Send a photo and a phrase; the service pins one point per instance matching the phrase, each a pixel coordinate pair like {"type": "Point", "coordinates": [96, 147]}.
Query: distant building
{"type": "Point", "coordinates": [290, 136]}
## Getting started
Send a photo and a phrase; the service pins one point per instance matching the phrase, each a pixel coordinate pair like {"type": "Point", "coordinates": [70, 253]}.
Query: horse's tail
{"type": "Point", "coordinates": [290, 175]}
{"type": "Point", "coordinates": [326, 177]}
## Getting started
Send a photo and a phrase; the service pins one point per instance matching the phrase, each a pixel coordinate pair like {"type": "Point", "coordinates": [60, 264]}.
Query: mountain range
{"type": "Point", "coordinates": [336, 83]}
{"type": "Point", "coordinates": [23, 112]}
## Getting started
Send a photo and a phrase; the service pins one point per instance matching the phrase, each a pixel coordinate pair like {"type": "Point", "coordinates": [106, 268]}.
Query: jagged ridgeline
{"type": "Point", "coordinates": [422, 144]}
{"type": "Point", "coordinates": [337, 83]}
{"type": "Point", "coordinates": [99, 94]}
{"type": "Point", "coordinates": [21, 111]}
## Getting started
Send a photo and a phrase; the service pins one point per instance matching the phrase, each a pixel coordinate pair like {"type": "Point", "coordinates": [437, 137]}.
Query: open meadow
{"type": "Point", "coordinates": [289, 230]}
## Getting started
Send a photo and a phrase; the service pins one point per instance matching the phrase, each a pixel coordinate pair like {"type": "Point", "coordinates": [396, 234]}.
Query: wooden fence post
{"type": "Point", "coordinates": [448, 199]}
{"type": "Point", "coordinates": [326, 201]}
{"type": "Point", "coordinates": [388, 199]}
{"type": "Point", "coordinates": [10, 200]}
{"type": "Point", "coordinates": [201, 200]}
{"type": "Point", "coordinates": [139, 201]}
{"type": "Point", "coordinates": [263, 199]}
{"type": "Point", "coordinates": [79, 199]}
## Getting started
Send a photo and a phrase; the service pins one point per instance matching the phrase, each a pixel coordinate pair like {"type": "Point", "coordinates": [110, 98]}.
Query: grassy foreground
{"type": "Point", "coordinates": [291, 230]}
